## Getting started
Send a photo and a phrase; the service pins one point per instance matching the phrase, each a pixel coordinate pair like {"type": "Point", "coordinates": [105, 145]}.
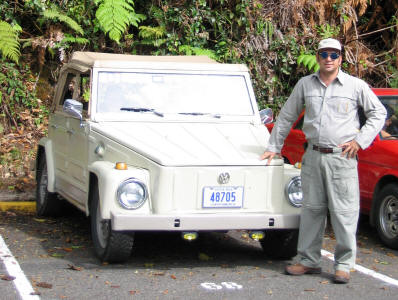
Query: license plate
{"type": "Point", "coordinates": [222, 197]}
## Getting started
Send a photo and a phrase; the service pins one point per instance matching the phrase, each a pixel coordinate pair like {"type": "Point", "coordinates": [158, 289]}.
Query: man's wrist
{"type": "Point", "coordinates": [358, 144]}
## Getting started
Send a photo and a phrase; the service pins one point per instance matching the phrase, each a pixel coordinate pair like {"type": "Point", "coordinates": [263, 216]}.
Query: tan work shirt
{"type": "Point", "coordinates": [331, 112]}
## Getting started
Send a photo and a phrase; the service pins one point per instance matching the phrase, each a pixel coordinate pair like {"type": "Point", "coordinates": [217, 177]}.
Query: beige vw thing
{"type": "Point", "coordinates": [163, 143]}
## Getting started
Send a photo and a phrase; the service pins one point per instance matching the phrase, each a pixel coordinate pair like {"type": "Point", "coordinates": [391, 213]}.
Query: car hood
{"type": "Point", "coordinates": [191, 144]}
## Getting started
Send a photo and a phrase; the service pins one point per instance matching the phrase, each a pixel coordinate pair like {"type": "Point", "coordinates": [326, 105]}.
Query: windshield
{"type": "Point", "coordinates": [391, 105]}
{"type": "Point", "coordinates": [196, 94]}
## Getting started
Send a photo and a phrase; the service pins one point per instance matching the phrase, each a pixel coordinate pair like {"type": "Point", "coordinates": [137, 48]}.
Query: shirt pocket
{"type": "Point", "coordinates": [341, 106]}
{"type": "Point", "coordinates": [313, 105]}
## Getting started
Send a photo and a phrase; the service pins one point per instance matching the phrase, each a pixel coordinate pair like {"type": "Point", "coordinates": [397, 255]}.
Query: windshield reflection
{"type": "Point", "coordinates": [200, 94]}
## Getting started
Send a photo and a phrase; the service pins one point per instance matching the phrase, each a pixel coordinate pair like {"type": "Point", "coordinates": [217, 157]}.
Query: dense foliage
{"type": "Point", "coordinates": [274, 38]}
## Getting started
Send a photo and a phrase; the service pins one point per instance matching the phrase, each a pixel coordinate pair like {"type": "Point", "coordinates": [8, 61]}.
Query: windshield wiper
{"type": "Point", "coordinates": [200, 114]}
{"type": "Point", "coordinates": [142, 109]}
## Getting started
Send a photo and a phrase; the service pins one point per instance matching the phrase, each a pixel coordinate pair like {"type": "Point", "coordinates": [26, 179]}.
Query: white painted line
{"type": "Point", "coordinates": [364, 270]}
{"type": "Point", "coordinates": [227, 284]}
{"type": "Point", "coordinates": [21, 283]}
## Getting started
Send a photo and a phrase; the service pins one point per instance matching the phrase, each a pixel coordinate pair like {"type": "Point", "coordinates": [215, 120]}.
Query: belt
{"type": "Point", "coordinates": [327, 150]}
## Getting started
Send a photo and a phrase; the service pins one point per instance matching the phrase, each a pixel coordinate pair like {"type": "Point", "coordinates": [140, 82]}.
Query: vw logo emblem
{"type": "Point", "coordinates": [223, 178]}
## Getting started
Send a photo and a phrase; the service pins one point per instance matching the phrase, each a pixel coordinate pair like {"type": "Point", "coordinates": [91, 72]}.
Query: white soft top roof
{"type": "Point", "coordinates": [83, 61]}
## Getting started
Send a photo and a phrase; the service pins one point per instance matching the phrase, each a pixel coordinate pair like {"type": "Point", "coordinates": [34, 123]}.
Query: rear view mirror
{"type": "Point", "coordinates": [266, 116]}
{"type": "Point", "coordinates": [73, 108]}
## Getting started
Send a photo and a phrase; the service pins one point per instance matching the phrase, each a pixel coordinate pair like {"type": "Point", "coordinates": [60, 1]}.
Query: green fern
{"type": "Point", "coordinates": [148, 32]}
{"type": "Point", "coordinates": [136, 18]}
{"type": "Point", "coordinates": [309, 61]}
{"type": "Point", "coordinates": [54, 14]}
{"type": "Point", "coordinates": [68, 39]}
{"type": "Point", "coordinates": [152, 35]}
{"type": "Point", "coordinates": [9, 43]}
{"type": "Point", "coordinates": [188, 50]}
{"type": "Point", "coordinates": [115, 16]}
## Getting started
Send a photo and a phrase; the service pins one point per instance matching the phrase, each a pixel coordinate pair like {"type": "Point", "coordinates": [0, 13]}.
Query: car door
{"type": "Point", "coordinates": [57, 131]}
{"type": "Point", "coordinates": [77, 147]}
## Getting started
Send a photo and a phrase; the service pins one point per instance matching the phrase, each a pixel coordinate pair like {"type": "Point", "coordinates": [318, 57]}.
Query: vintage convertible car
{"type": "Point", "coordinates": [163, 144]}
{"type": "Point", "coordinates": [377, 167]}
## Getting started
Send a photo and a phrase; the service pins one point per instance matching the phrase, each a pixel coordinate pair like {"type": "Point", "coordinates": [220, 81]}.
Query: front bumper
{"type": "Point", "coordinates": [208, 222]}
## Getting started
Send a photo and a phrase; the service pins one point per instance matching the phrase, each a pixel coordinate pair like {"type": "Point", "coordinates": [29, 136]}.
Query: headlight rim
{"type": "Point", "coordinates": [123, 184]}
{"type": "Point", "coordinates": [288, 186]}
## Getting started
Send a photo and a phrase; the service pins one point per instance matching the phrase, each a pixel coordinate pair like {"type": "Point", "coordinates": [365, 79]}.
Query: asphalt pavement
{"type": "Point", "coordinates": [57, 258]}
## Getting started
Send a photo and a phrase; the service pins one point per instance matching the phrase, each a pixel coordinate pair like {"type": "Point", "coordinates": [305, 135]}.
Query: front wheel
{"type": "Point", "coordinates": [280, 244]}
{"type": "Point", "coordinates": [386, 215]}
{"type": "Point", "coordinates": [109, 245]}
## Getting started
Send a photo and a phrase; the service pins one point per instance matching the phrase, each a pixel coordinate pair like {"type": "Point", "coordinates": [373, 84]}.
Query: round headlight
{"type": "Point", "coordinates": [132, 193]}
{"type": "Point", "coordinates": [294, 192]}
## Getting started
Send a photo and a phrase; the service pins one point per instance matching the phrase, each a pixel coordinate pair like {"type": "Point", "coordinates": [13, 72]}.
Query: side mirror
{"type": "Point", "coordinates": [266, 116]}
{"type": "Point", "coordinates": [74, 108]}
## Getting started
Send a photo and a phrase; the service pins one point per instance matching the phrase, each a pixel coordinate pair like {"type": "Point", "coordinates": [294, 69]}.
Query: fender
{"type": "Point", "coordinates": [109, 180]}
{"type": "Point", "coordinates": [46, 143]}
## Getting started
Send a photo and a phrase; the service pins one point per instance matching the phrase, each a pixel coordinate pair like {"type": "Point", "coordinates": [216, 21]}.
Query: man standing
{"type": "Point", "coordinates": [329, 166]}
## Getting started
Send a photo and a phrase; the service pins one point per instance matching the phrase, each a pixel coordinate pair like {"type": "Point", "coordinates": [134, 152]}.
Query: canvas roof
{"type": "Point", "coordinates": [83, 61]}
{"type": "Point", "coordinates": [88, 58]}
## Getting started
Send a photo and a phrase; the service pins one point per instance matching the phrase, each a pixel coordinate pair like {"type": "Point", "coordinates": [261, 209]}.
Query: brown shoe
{"type": "Point", "coordinates": [341, 277]}
{"type": "Point", "coordinates": [299, 269]}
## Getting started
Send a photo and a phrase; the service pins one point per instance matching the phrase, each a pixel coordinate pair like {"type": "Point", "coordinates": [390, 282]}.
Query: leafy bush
{"type": "Point", "coordinates": [17, 94]}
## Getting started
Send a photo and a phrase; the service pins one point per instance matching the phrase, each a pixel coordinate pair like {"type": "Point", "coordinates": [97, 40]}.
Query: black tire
{"type": "Point", "coordinates": [109, 245]}
{"type": "Point", "coordinates": [280, 244]}
{"type": "Point", "coordinates": [47, 204]}
{"type": "Point", "coordinates": [386, 215]}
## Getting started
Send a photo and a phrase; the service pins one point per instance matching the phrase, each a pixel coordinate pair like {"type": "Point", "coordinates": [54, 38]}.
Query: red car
{"type": "Point", "coordinates": [377, 167]}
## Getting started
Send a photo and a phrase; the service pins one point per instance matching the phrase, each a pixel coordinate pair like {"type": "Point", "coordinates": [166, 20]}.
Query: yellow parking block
{"type": "Point", "coordinates": [28, 206]}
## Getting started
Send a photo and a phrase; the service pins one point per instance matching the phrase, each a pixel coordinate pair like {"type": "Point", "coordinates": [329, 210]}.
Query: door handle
{"type": "Point", "coordinates": [70, 131]}
{"type": "Point", "coordinates": [54, 126]}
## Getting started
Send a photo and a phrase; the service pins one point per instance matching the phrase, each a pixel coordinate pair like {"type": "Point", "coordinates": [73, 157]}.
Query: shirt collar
{"type": "Point", "coordinates": [340, 76]}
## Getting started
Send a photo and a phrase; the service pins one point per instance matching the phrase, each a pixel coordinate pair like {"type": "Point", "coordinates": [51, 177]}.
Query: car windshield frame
{"type": "Point", "coordinates": [200, 94]}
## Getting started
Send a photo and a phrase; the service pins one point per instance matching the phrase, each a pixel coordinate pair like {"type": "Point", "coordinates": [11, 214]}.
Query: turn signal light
{"type": "Point", "coordinates": [121, 166]}
{"type": "Point", "coordinates": [297, 165]}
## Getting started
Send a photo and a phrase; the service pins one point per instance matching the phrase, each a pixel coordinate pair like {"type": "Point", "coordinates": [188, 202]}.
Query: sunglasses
{"type": "Point", "coordinates": [332, 55]}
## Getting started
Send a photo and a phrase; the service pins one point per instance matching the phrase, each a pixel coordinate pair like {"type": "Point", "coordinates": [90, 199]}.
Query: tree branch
{"type": "Point", "coordinates": [361, 35]}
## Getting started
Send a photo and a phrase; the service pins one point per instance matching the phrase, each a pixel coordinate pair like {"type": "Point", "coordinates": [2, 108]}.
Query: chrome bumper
{"type": "Point", "coordinates": [198, 222]}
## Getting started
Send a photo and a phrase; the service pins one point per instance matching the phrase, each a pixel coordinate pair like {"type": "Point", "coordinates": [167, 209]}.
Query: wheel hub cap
{"type": "Point", "coordinates": [390, 217]}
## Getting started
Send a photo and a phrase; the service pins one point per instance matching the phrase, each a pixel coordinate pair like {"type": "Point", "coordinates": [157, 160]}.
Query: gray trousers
{"type": "Point", "coordinates": [329, 182]}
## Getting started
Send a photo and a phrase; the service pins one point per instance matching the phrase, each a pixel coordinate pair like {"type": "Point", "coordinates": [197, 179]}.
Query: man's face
{"type": "Point", "coordinates": [327, 60]}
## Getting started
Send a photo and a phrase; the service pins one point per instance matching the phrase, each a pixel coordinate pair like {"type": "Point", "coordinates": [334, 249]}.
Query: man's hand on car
{"type": "Point", "coordinates": [270, 155]}
{"type": "Point", "coordinates": [350, 149]}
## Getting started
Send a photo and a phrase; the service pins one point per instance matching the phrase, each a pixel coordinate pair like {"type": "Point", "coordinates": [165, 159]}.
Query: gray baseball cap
{"type": "Point", "coordinates": [329, 43]}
